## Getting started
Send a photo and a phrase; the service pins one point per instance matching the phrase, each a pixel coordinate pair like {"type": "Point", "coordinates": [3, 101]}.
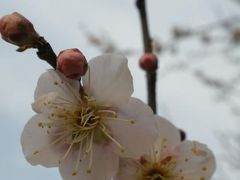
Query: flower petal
{"type": "Point", "coordinates": [104, 167]}
{"type": "Point", "coordinates": [54, 81]}
{"type": "Point", "coordinates": [52, 103]}
{"type": "Point", "coordinates": [128, 169]}
{"type": "Point", "coordinates": [168, 136]}
{"type": "Point", "coordinates": [109, 79]}
{"type": "Point", "coordinates": [138, 137]}
{"type": "Point", "coordinates": [194, 160]}
{"type": "Point", "coordinates": [35, 144]}
{"type": "Point", "coordinates": [43, 102]}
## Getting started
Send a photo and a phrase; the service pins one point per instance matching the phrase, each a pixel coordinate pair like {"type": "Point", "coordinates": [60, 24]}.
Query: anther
{"type": "Point", "coordinates": [74, 173]}
{"type": "Point", "coordinates": [89, 171]}
{"type": "Point", "coordinates": [35, 152]}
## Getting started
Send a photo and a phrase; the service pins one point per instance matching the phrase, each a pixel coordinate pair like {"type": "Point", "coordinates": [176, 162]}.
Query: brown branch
{"type": "Point", "coordinates": [151, 76]}
{"type": "Point", "coordinates": [45, 52]}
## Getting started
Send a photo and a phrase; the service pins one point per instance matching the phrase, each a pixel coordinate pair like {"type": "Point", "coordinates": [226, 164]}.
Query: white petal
{"type": "Point", "coordinates": [136, 138]}
{"type": "Point", "coordinates": [109, 79]}
{"type": "Point", "coordinates": [52, 102]}
{"type": "Point", "coordinates": [169, 135]}
{"type": "Point", "coordinates": [42, 103]}
{"type": "Point", "coordinates": [54, 81]}
{"type": "Point", "coordinates": [104, 167]}
{"type": "Point", "coordinates": [195, 160]}
{"type": "Point", "coordinates": [35, 138]}
{"type": "Point", "coordinates": [128, 170]}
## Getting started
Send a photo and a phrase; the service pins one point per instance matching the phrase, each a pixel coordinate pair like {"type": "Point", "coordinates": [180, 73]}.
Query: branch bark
{"type": "Point", "coordinates": [45, 52]}
{"type": "Point", "coordinates": [151, 76]}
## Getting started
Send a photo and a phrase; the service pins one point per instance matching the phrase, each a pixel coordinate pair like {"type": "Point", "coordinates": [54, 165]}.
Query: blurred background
{"type": "Point", "coordinates": [198, 46]}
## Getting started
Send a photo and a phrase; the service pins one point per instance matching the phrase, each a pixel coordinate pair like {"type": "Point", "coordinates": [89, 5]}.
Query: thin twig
{"type": "Point", "coordinates": [45, 52]}
{"type": "Point", "coordinates": [151, 76]}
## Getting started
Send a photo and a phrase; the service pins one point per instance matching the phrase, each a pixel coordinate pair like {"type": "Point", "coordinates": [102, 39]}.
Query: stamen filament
{"type": "Point", "coordinates": [108, 112]}
{"type": "Point", "coordinates": [78, 159]}
{"type": "Point", "coordinates": [66, 153]}
{"type": "Point", "coordinates": [121, 119]}
{"type": "Point", "coordinates": [90, 150]}
{"type": "Point", "coordinates": [115, 141]}
{"type": "Point", "coordinates": [52, 143]}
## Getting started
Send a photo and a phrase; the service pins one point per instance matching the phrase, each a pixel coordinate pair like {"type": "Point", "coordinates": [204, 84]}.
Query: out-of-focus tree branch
{"type": "Point", "coordinates": [105, 44]}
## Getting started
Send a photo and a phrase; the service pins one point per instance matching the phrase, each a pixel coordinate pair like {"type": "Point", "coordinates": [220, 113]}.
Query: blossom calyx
{"type": "Point", "coordinates": [18, 30]}
{"type": "Point", "coordinates": [72, 63]}
{"type": "Point", "coordinates": [148, 62]}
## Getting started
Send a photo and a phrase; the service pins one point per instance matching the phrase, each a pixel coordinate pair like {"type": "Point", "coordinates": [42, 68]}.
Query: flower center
{"type": "Point", "coordinates": [153, 174]}
{"type": "Point", "coordinates": [78, 125]}
{"type": "Point", "coordinates": [88, 118]}
{"type": "Point", "coordinates": [158, 170]}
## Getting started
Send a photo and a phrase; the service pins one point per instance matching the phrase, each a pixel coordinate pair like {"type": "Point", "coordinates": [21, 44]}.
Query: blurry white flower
{"type": "Point", "coordinates": [84, 132]}
{"type": "Point", "coordinates": [170, 159]}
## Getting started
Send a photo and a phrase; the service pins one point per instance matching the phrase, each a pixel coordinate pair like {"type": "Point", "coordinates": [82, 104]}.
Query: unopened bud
{"type": "Point", "coordinates": [72, 63]}
{"type": "Point", "coordinates": [17, 30]}
{"type": "Point", "coordinates": [148, 62]}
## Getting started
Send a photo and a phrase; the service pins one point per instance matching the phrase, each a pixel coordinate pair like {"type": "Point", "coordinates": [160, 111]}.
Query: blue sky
{"type": "Point", "coordinates": [181, 98]}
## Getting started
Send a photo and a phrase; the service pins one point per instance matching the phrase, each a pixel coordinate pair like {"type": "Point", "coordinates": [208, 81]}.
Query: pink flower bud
{"type": "Point", "coordinates": [148, 62]}
{"type": "Point", "coordinates": [72, 63]}
{"type": "Point", "coordinates": [17, 30]}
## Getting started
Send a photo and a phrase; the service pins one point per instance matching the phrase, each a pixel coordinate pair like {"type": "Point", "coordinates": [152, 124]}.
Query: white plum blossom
{"type": "Point", "coordinates": [84, 129]}
{"type": "Point", "coordinates": [169, 159]}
